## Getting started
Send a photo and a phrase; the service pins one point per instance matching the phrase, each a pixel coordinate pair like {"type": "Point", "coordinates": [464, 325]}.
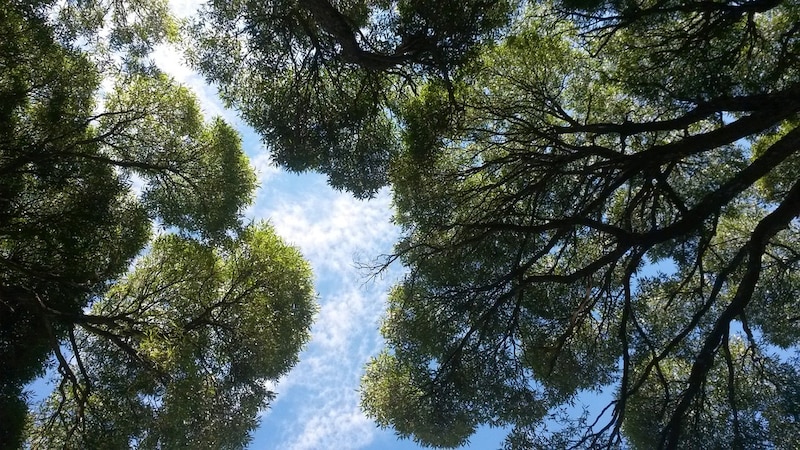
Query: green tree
{"type": "Point", "coordinates": [60, 218]}
{"type": "Point", "coordinates": [612, 204]}
{"type": "Point", "coordinates": [71, 222]}
{"type": "Point", "coordinates": [178, 352]}
{"type": "Point", "coordinates": [595, 196]}
{"type": "Point", "coordinates": [115, 33]}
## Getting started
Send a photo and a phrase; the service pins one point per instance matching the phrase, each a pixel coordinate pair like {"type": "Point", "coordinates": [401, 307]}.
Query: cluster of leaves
{"type": "Point", "coordinates": [179, 349]}
{"type": "Point", "coordinates": [595, 196]}
{"type": "Point", "coordinates": [320, 82]}
{"type": "Point", "coordinates": [603, 216]}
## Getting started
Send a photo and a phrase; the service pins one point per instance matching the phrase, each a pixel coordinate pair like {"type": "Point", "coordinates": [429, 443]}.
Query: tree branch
{"type": "Point", "coordinates": [764, 231]}
{"type": "Point", "coordinates": [338, 26]}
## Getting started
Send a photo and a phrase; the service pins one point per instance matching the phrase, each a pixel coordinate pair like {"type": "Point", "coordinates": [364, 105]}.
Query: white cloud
{"type": "Point", "coordinates": [318, 402]}
{"type": "Point", "coordinates": [183, 9]}
{"type": "Point", "coordinates": [264, 166]}
{"type": "Point", "coordinates": [334, 427]}
{"type": "Point", "coordinates": [332, 228]}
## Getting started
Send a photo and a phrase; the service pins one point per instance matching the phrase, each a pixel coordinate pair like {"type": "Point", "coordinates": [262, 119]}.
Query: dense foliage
{"type": "Point", "coordinates": [596, 196]}
{"type": "Point", "coordinates": [178, 350]}
{"type": "Point", "coordinates": [321, 83]}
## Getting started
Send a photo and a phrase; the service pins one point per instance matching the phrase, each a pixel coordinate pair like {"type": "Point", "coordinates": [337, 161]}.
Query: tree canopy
{"type": "Point", "coordinates": [177, 350]}
{"type": "Point", "coordinates": [595, 196]}
{"type": "Point", "coordinates": [321, 82]}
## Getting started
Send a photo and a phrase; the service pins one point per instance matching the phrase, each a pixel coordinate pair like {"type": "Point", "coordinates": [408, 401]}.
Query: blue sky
{"type": "Point", "coordinates": [318, 402]}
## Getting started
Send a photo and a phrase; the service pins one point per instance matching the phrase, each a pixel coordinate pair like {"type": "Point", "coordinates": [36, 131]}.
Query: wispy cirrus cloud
{"type": "Point", "coordinates": [335, 427]}
{"type": "Point", "coordinates": [333, 228]}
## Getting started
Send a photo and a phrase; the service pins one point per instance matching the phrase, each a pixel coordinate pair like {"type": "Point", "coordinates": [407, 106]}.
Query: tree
{"type": "Point", "coordinates": [71, 223]}
{"type": "Point", "coordinates": [178, 352]}
{"type": "Point", "coordinates": [594, 196]}
{"type": "Point", "coordinates": [120, 34]}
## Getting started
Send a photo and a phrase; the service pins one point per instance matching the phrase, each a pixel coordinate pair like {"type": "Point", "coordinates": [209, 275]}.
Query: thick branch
{"type": "Point", "coordinates": [745, 127]}
{"type": "Point", "coordinates": [785, 100]}
{"type": "Point", "coordinates": [770, 159]}
{"type": "Point", "coordinates": [338, 26]}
